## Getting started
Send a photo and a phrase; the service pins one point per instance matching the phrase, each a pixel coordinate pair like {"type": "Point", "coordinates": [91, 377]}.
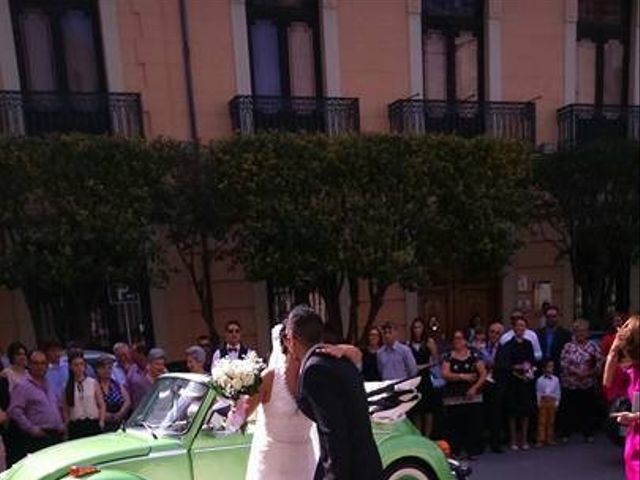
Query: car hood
{"type": "Point", "coordinates": [54, 462]}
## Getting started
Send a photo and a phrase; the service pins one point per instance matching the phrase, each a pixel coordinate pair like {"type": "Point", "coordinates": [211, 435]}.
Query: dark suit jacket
{"type": "Point", "coordinates": [561, 337]}
{"type": "Point", "coordinates": [331, 393]}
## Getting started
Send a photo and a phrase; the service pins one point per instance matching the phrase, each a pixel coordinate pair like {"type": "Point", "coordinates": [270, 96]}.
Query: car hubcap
{"type": "Point", "coordinates": [408, 473]}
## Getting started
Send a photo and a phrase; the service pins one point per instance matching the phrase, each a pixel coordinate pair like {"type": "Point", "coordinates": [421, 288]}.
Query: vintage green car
{"type": "Point", "coordinates": [180, 432]}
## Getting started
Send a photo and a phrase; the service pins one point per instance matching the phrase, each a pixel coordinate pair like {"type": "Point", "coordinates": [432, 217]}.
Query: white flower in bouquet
{"type": "Point", "coordinates": [234, 378]}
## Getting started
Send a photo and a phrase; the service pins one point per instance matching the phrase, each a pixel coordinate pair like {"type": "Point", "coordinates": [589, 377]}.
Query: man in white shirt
{"type": "Point", "coordinates": [528, 334]}
{"type": "Point", "coordinates": [233, 347]}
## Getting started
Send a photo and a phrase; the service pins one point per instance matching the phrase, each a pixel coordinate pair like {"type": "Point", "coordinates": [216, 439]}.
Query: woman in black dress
{"type": "Point", "coordinates": [465, 374]}
{"type": "Point", "coordinates": [370, 355]}
{"type": "Point", "coordinates": [425, 352]}
{"type": "Point", "coordinates": [516, 358]}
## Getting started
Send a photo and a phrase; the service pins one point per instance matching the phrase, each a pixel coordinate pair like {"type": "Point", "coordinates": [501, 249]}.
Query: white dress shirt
{"type": "Point", "coordinates": [529, 335]}
{"type": "Point", "coordinates": [232, 353]}
{"type": "Point", "coordinates": [548, 386]}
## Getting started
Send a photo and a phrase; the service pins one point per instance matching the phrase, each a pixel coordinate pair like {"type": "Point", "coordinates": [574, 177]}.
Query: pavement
{"type": "Point", "coordinates": [577, 460]}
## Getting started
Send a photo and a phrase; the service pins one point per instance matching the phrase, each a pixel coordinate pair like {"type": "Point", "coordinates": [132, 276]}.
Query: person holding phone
{"type": "Point", "coordinates": [625, 351]}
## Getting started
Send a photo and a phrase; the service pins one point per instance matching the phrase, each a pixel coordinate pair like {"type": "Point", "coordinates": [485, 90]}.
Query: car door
{"type": "Point", "coordinates": [216, 452]}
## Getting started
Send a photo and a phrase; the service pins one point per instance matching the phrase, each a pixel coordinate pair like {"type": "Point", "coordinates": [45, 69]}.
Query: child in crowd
{"type": "Point", "coordinates": [548, 392]}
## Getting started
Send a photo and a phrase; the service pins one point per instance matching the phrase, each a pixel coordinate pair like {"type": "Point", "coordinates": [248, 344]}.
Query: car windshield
{"type": "Point", "coordinates": [169, 409]}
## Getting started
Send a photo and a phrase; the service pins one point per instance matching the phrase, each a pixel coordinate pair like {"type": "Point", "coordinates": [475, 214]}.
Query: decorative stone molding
{"type": "Point", "coordinates": [414, 6]}
{"type": "Point", "coordinates": [493, 50]}
{"type": "Point", "coordinates": [330, 48]}
{"type": "Point", "coordinates": [494, 10]}
{"type": "Point", "coordinates": [111, 45]}
{"type": "Point", "coordinates": [571, 11]}
{"type": "Point", "coordinates": [240, 37]}
{"type": "Point", "coordinates": [8, 60]}
{"type": "Point", "coordinates": [416, 70]}
{"type": "Point", "coordinates": [570, 50]}
{"type": "Point", "coordinates": [634, 70]}
{"type": "Point", "coordinates": [329, 4]}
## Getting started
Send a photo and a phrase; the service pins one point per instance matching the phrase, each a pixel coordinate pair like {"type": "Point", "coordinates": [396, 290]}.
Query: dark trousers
{"type": "Point", "coordinates": [20, 443]}
{"type": "Point", "coordinates": [493, 407]}
{"type": "Point", "coordinates": [578, 411]}
{"type": "Point", "coordinates": [83, 428]}
{"type": "Point", "coordinates": [464, 424]}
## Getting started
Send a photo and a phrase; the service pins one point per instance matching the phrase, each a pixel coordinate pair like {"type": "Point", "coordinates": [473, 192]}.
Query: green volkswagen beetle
{"type": "Point", "coordinates": [179, 432]}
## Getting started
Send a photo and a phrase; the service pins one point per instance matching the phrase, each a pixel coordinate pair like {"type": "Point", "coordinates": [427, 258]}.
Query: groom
{"type": "Point", "coordinates": [331, 393]}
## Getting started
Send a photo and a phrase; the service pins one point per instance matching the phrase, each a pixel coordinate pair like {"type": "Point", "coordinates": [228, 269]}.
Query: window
{"type": "Point", "coordinates": [452, 49]}
{"type": "Point", "coordinates": [58, 45]}
{"type": "Point", "coordinates": [284, 46]}
{"type": "Point", "coordinates": [603, 51]}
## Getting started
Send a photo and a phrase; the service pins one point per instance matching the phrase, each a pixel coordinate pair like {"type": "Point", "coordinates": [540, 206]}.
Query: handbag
{"type": "Point", "coordinates": [436, 377]}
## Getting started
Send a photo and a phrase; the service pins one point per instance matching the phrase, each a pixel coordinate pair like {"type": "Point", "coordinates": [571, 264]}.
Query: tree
{"type": "Point", "coordinates": [380, 208]}
{"type": "Point", "coordinates": [436, 207]}
{"type": "Point", "coordinates": [380, 187]}
{"type": "Point", "coordinates": [590, 198]}
{"type": "Point", "coordinates": [75, 215]}
{"type": "Point", "coordinates": [288, 228]}
{"type": "Point", "coordinates": [197, 211]}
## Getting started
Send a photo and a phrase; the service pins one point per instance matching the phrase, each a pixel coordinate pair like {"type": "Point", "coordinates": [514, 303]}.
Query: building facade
{"type": "Point", "coordinates": [550, 72]}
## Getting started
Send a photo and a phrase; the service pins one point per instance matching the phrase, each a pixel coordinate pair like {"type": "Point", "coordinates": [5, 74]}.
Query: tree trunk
{"type": "Point", "coordinates": [623, 274]}
{"type": "Point", "coordinates": [34, 301]}
{"type": "Point", "coordinates": [377, 291]}
{"type": "Point", "coordinates": [329, 288]}
{"type": "Point", "coordinates": [206, 302]}
{"type": "Point", "coordinates": [354, 302]}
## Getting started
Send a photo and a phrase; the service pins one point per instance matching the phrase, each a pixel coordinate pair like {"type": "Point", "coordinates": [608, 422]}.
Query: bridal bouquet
{"type": "Point", "coordinates": [235, 378]}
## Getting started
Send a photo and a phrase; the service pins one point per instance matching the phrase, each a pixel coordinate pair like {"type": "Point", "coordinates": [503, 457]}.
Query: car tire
{"type": "Point", "coordinates": [408, 468]}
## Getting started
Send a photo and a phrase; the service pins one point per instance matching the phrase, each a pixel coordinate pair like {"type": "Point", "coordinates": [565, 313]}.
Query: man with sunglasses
{"type": "Point", "coordinates": [528, 334]}
{"type": "Point", "coordinates": [233, 347]}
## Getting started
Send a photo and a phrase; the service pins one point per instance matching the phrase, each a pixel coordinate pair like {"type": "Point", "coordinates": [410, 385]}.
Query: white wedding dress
{"type": "Point", "coordinates": [284, 445]}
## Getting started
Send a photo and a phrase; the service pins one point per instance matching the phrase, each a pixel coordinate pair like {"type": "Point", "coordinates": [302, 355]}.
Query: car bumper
{"type": "Point", "coordinates": [460, 471]}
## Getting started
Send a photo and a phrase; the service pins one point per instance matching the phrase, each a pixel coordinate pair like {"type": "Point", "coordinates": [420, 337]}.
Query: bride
{"type": "Point", "coordinates": [285, 444]}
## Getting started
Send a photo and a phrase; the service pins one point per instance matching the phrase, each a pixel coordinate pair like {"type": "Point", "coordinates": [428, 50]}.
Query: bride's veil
{"type": "Point", "coordinates": [276, 359]}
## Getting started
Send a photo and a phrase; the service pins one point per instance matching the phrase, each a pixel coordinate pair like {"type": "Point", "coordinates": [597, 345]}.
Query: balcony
{"type": "Point", "coordinates": [252, 113]}
{"type": "Point", "coordinates": [579, 124]}
{"type": "Point", "coordinates": [37, 113]}
{"type": "Point", "coordinates": [510, 120]}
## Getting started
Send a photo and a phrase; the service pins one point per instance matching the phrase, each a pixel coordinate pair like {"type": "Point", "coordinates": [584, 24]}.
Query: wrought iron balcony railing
{"type": "Point", "coordinates": [512, 120]}
{"type": "Point", "coordinates": [254, 113]}
{"type": "Point", "coordinates": [35, 113]}
{"type": "Point", "coordinates": [580, 124]}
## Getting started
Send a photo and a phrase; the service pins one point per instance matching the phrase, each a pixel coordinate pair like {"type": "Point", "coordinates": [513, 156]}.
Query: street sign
{"type": "Point", "coordinates": [122, 295]}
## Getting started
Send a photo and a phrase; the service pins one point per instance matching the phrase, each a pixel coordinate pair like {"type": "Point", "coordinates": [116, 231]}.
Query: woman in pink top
{"type": "Point", "coordinates": [626, 350]}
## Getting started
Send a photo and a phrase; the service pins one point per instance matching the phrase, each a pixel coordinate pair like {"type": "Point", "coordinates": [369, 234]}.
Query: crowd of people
{"type": "Point", "coordinates": [499, 385]}
{"type": "Point", "coordinates": [488, 386]}
{"type": "Point", "coordinates": [48, 395]}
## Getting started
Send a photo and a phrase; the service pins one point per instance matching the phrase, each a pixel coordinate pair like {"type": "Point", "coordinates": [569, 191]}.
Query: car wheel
{"type": "Point", "coordinates": [408, 469]}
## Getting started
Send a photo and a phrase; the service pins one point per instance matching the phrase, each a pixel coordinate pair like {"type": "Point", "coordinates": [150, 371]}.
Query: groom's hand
{"type": "Point", "coordinates": [343, 351]}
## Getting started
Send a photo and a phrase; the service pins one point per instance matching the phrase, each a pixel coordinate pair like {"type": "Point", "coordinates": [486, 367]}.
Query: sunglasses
{"type": "Point", "coordinates": [233, 330]}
